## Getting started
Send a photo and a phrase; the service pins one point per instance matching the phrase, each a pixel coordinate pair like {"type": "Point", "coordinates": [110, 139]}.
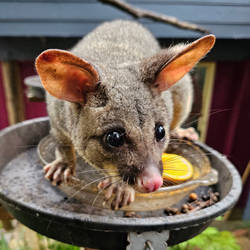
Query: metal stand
{"type": "Point", "coordinates": [148, 240]}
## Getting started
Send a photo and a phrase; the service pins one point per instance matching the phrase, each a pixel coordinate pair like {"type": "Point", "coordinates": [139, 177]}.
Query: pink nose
{"type": "Point", "coordinates": [152, 184]}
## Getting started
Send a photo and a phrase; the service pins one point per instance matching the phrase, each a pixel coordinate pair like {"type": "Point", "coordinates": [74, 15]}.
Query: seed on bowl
{"type": "Point", "coordinates": [205, 197]}
{"type": "Point", "coordinates": [184, 208]}
{"type": "Point", "coordinates": [130, 214]}
{"type": "Point", "coordinates": [171, 210]}
{"type": "Point", "coordinates": [193, 196]}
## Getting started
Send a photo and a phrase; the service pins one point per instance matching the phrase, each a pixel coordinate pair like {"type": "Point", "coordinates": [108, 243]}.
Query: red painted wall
{"type": "Point", "coordinates": [32, 109]}
{"type": "Point", "coordinates": [229, 129]}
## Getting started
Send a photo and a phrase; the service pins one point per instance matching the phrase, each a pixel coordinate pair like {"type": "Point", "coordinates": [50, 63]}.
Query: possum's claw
{"type": "Point", "coordinates": [118, 194]}
{"type": "Point", "coordinates": [58, 172]}
{"type": "Point", "coordinates": [188, 133]}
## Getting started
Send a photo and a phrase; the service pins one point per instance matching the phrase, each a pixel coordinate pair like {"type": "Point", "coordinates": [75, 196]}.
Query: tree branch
{"type": "Point", "coordinates": [139, 13]}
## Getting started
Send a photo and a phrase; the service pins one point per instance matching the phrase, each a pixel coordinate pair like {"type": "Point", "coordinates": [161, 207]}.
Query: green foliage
{"type": "Point", "coordinates": [23, 248]}
{"type": "Point", "coordinates": [219, 218]}
{"type": "Point", "coordinates": [210, 239]}
{"type": "Point", "coordinates": [4, 244]}
{"type": "Point", "coordinates": [61, 246]}
{"type": "Point", "coordinates": [49, 245]}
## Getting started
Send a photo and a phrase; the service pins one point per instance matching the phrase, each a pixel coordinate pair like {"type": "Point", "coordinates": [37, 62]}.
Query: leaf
{"type": "Point", "coordinates": [4, 244]}
{"type": "Point", "coordinates": [210, 231]}
{"type": "Point", "coordinates": [210, 239]}
{"type": "Point", "coordinates": [219, 218]}
{"type": "Point", "coordinates": [61, 246]}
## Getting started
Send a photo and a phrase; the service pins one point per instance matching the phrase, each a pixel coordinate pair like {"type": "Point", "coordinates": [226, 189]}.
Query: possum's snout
{"type": "Point", "coordinates": [148, 183]}
{"type": "Point", "coordinates": [150, 179]}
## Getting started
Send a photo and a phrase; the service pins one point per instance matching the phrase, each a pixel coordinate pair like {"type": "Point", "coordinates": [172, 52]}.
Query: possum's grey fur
{"type": "Point", "coordinates": [127, 58]}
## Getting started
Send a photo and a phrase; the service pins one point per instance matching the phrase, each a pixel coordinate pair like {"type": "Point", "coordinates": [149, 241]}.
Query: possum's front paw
{"type": "Point", "coordinates": [188, 133]}
{"type": "Point", "coordinates": [119, 194]}
{"type": "Point", "coordinates": [58, 172]}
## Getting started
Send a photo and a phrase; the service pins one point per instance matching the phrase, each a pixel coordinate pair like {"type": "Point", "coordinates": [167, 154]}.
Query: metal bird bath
{"type": "Point", "coordinates": [33, 201]}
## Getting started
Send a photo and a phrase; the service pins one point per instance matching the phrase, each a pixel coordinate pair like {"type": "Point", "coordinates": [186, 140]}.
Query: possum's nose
{"type": "Point", "coordinates": [150, 180]}
{"type": "Point", "coordinates": [152, 185]}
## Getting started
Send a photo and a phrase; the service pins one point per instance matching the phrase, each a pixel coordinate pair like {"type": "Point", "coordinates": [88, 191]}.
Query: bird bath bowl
{"type": "Point", "coordinates": [33, 201]}
{"type": "Point", "coordinates": [204, 175]}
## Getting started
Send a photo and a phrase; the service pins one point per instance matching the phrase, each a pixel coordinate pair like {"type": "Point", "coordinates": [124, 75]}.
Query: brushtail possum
{"type": "Point", "coordinates": [114, 99]}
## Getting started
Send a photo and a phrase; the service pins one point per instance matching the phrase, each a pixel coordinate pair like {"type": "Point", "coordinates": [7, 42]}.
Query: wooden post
{"type": "Point", "coordinates": [206, 99]}
{"type": "Point", "coordinates": [13, 91]}
{"type": "Point", "coordinates": [6, 219]}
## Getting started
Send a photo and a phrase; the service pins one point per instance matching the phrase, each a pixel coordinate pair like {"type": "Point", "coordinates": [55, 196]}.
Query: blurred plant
{"type": "Point", "coordinates": [210, 239]}
{"type": "Point", "coordinates": [50, 244]}
{"type": "Point", "coordinates": [61, 246]}
{"type": "Point", "coordinates": [20, 239]}
{"type": "Point", "coordinates": [4, 244]}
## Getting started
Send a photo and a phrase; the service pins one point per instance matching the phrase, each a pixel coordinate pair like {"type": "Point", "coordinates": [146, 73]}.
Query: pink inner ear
{"type": "Point", "coordinates": [73, 83]}
{"type": "Point", "coordinates": [65, 75]}
{"type": "Point", "coordinates": [168, 77]}
{"type": "Point", "coordinates": [183, 62]}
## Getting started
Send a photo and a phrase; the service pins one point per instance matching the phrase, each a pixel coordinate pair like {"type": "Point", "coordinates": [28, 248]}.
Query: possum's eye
{"type": "Point", "coordinates": [115, 138]}
{"type": "Point", "coordinates": [159, 132]}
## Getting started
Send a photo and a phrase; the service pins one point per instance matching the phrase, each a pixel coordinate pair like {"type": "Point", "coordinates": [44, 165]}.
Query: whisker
{"type": "Point", "coordinates": [211, 113]}
{"type": "Point", "coordinates": [180, 170]}
{"type": "Point", "coordinates": [177, 143]}
{"type": "Point", "coordinates": [169, 183]}
{"type": "Point", "coordinates": [103, 190]}
{"type": "Point", "coordinates": [99, 192]}
{"type": "Point", "coordinates": [193, 154]}
{"type": "Point", "coordinates": [81, 189]}
{"type": "Point", "coordinates": [95, 170]}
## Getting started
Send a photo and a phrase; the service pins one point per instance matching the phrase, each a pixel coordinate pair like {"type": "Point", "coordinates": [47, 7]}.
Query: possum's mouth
{"type": "Point", "coordinates": [147, 181]}
{"type": "Point", "coordinates": [148, 184]}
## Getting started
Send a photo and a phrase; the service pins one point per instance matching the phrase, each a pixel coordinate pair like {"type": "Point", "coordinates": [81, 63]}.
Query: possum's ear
{"type": "Point", "coordinates": [183, 62]}
{"type": "Point", "coordinates": [65, 75]}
